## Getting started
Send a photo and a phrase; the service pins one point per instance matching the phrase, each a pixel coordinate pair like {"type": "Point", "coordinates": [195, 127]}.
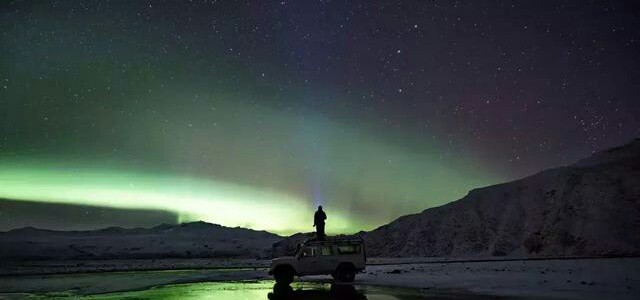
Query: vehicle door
{"type": "Point", "coordinates": [328, 258]}
{"type": "Point", "coordinates": [352, 253]}
{"type": "Point", "coordinates": [309, 260]}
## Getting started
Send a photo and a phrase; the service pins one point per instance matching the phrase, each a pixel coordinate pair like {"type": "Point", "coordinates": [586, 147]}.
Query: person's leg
{"type": "Point", "coordinates": [321, 231]}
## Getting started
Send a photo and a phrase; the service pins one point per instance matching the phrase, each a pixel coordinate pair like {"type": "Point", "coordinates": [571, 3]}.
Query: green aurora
{"type": "Point", "coordinates": [194, 127]}
{"type": "Point", "coordinates": [234, 177]}
{"type": "Point", "coordinates": [240, 180]}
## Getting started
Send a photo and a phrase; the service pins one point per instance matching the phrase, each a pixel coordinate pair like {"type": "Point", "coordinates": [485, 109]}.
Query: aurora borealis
{"type": "Point", "coordinates": [252, 113]}
{"type": "Point", "coordinates": [232, 183]}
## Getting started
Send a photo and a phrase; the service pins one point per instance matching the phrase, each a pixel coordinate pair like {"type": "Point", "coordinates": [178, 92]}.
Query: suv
{"type": "Point", "coordinates": [340, 257]}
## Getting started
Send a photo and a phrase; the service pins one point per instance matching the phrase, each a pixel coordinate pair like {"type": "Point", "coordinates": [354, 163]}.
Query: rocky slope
{"type": "Point", "coordinates": [189, 240]}
{"type": "Point", "coordinates": [589, 208]}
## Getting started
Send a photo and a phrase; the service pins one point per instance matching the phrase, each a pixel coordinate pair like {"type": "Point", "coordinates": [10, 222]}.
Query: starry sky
{"type": "Point", "coordinates": [251, 113]}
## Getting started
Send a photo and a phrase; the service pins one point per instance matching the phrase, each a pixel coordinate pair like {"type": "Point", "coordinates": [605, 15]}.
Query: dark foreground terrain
{"type": "Point", "coordinates": [614, 278]}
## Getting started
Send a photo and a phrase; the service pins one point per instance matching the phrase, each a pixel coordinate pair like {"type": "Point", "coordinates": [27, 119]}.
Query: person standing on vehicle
{"type": "Point", "coordinates": [318, 222]}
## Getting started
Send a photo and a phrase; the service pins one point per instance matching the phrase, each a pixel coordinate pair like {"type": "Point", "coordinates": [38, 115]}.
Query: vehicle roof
{"type": "Point", "coordinates": [334, 240]}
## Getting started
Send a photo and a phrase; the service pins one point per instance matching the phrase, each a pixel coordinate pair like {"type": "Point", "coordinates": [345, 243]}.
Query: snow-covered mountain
{"type": "Point", "coordinates": [588, 208]}
{"type": "Point", "coordinates": [189, 240]}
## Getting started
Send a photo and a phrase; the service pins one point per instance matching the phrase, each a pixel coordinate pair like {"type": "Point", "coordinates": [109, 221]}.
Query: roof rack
{"type": "Point", "coordinates": [335, 239]}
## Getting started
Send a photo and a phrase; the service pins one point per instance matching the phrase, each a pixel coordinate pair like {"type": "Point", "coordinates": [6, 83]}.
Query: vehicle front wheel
{"type": "Point", "coordinates": [345, 273]}
{"type": "Point", "coordinates": [283, 275]}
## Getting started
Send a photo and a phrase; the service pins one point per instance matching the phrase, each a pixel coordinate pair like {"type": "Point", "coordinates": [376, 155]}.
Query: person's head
{"type": "Point", "coordinates": [319, 207]}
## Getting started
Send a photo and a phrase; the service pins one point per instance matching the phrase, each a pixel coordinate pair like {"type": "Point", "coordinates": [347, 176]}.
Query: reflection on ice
{"type": "Point", "coordinates": [336, 291]}
{"type": "Point", "coordinates": [267, 290]}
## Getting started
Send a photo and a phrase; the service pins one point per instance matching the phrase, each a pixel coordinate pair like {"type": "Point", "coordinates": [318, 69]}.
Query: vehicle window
{"type": "Point", "coordinates": [348, 249]}
{"type": "Point", "coordinates": [326, 250]}
{"type": "Point", "coordinates": [308, 251]}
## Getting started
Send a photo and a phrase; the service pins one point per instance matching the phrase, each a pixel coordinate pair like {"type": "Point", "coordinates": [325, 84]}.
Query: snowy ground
{"type": "Point", "coordinates": [561, 279]}
{"type": "Point", "coordinates": [571, 279]}
{"type": "Point", "coordinates": [9, 268]}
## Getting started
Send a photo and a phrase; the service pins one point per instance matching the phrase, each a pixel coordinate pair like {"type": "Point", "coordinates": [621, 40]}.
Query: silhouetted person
{"type": "Point", "coordinates": [318, 222]}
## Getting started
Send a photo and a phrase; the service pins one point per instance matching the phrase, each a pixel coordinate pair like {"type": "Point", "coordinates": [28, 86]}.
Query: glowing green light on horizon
{"type": "Point", "coordinates": [193, 199]}
{"type": "Point", "coordinates": [267, 175]}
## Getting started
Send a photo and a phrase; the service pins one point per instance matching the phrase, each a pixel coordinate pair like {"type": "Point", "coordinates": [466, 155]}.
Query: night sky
{"type": "Point", "coordinates": [251, 113]}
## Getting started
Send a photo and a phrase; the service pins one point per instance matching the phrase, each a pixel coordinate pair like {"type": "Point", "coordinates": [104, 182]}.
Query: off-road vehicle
{"type": "Point", "coordinates": [341, 258]}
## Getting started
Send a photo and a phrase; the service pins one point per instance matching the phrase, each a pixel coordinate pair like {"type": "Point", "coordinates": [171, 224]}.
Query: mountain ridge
{"type": "Point", "coordinates": [186, 240]}
{"type": "Point", "coordinates": [586, 208]}
{"type": "Point", "coordinates": [591, 207]}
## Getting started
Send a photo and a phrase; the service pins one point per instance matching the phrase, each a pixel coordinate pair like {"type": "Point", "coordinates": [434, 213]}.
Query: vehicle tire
{"type": "Point", "coordinates": [345, 273]}
{"type": "Point", "coordinates": [283, 275]}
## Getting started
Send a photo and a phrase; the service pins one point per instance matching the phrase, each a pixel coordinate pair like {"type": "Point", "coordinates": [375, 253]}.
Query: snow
{"type": "Point", "coordinates": [187, 240]}
{"type": "Point", "coordinates": [587, 209]}
{"type": "Point", "coordinates": [613, 278]}
{"type": "Point", "coordinates": [569, 279]}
